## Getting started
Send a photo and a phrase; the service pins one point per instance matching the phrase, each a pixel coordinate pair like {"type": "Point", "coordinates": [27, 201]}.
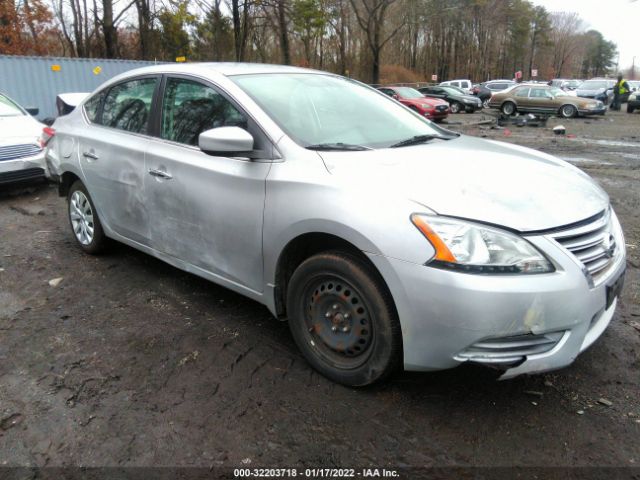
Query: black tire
{"type": "Point", "coordinates": [568, 111]}
{"type": "Point", "coordinates": [469, 110]}
{"type": "Point", "coordinates": [630, 109]}
{"type": "Point", "coordinates": [508, 108]}
{"type": "Point", "coordinates": [99, 241]}
{"type": "Point", "coordinates": [342, 318]}
{"type": "Point", "coordinates": [456, 107]}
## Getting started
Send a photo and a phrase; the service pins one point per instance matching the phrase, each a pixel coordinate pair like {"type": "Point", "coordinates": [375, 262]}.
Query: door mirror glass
{"type": "Point", "coordinates": [33, 111]}
{"type": "Point", "coordinates": [226, 141]}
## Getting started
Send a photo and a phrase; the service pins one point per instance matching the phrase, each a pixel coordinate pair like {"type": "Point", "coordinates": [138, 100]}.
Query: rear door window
{"type": "Point", "coordinates": [127, 105]}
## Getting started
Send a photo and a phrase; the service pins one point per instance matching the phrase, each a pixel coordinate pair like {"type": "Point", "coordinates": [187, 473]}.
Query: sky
{"type": "Point", "coordinates": [617, 20]}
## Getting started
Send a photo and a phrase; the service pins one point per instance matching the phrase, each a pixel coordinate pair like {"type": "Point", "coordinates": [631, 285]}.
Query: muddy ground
{"type": "Point", "coordinates": [130, 362]}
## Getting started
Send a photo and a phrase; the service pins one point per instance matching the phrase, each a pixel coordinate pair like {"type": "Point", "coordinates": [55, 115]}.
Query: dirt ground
{"type": "Point", "coordinates": [130, 362]}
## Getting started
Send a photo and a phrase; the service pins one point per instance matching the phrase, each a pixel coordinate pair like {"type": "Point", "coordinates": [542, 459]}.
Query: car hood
{"type": "Point", "coordinates": [487, 181]}
{"type": "Point", "coordinates": [589, 91]}
{"type": "Point", "coordinates": [434, 102]}
{"type": "Point", "coordinates": [21, 129]}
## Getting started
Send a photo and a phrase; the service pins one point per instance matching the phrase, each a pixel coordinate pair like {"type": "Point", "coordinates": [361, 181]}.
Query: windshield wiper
{"type": "Point", "coordinates": [337, 146]}
{"type": "Point", "coordinates": [417, 139]}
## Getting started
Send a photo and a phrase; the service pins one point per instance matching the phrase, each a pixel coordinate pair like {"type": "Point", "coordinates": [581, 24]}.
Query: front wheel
{"type": "Point", "coordinates": [84, 220]}
{"type": "Point", "coordinates": [568, 111]}
{"type": "Point", "coordinates": [630, 109]}
{"type": "Point", "coordinates": [455, 107]}
{"type": "Point", "coordinates": [342, 318]}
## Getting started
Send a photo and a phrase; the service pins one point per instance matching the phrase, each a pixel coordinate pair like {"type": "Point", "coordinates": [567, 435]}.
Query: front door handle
{"type": "Point", "coordinates": [160, 174]}
{"type": "Point", "coordinates": [90, 155]}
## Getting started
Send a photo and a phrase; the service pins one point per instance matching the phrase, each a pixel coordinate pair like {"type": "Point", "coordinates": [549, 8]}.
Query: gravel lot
{"type": "Point", "coordinates": [130, 362]}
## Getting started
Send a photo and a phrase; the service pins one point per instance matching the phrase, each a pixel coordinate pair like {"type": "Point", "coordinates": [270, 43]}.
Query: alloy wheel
{"type": "Point", "coordinates": [81, 215]}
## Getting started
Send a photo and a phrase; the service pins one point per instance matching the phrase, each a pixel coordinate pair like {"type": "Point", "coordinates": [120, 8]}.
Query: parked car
{"type": "Point", "coordinates": [457, 99]}
{"type": "Point", "coordinates": [465, 85]}
{"type": "Point", "coordinates": [431, 108]}
{"type": "Point", "coordinates": [635, 85]}
{"type": "Point", "coordinates": [597, 88]}
{"type": "Point", "coordinates": [21, 155]}
{"type": "Point", "coordinates": [498, 85]}
{"type": "Point", "coordinates": [535, 98]}
{"type": "Point", "coordinates": [633, 103]}
{"type": "Point", "coordinates": [382, 238]}
{"type": "Point", "coordinates": [568, 85]}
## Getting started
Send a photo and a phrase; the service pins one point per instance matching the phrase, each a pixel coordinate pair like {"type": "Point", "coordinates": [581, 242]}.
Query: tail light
{"type": "Point", "coordinates": [47, 134]}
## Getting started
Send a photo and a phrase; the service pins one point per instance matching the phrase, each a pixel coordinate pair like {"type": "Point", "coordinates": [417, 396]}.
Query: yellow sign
{"type": "Point", "coordinates": [181, 59]}
{"type": "Point", "coordinates": [55, 68]}
{"type": "Point", "coordinates": [97, 70]}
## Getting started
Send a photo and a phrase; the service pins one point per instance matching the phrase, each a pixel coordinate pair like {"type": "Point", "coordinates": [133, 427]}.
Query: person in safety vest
{"type": "Point", "coordinates": [621, 92]}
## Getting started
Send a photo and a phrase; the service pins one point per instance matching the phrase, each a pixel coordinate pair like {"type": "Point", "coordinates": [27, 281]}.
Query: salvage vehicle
{"type": "Point", "coordinates": [431, 108]}
{"type": "Point", "coordinates": [536, 98]}
{"type": "Point", "coordinates": [383, 239]}
{"type": "Point", "coordinates": [21, 155]}
{"type": "Point", "coordinates": [633, 103]}
{"type": "Point", "coordinates": [498, 85]}
{"type": "Point", "coordinates": [598, 89]}
{"type": "Point", "coordinates": [458, 100]}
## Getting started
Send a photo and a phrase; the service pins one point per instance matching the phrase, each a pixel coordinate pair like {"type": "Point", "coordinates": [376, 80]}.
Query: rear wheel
{"type": "Point", "coordinates": [342, 318]}
{"type": "Point", "coordinates": [630, 109]}
{"type": "Point", "coordinates": [568, 111]}
{"type": "Point", "coordinates": [84, 221]}
{"type": "Point", "coordinates": [508, 108]}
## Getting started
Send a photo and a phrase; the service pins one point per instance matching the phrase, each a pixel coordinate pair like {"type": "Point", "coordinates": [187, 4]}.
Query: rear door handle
{"type": "Point", "coordinates": [90, 155]}
{"type": "Point", "coordinates": [160, 174]}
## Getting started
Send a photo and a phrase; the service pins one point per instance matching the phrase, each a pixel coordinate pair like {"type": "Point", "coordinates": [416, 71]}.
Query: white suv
{"type": "Point", "coordinates": [465, 85]}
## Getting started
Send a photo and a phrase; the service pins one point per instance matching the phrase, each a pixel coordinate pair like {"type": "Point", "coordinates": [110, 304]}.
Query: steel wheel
{"type": "Point", "coordinates": [81, 215]}
{"type": "Point", "coordinates": [342, 318]}
{"type": "Point", "coordinates": [338, 321]}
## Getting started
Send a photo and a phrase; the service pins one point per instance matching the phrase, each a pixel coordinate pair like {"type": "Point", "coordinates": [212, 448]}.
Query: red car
{"type": "Point", "coordinates": [432, 108]}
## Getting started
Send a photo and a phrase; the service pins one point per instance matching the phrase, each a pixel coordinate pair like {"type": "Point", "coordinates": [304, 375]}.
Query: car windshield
{"type": "Point", "coordinates": [593, 85]}
{"type": "Point", "coordinates": [407, 92]}
{"type": "Point", "coordinates": [8, 108]}
{"type": "Point", "coordinates": [319, 109]}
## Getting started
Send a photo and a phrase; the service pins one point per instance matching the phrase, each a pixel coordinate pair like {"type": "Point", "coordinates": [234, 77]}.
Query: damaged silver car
{"type": "Point", "coordinates": [384, 239]}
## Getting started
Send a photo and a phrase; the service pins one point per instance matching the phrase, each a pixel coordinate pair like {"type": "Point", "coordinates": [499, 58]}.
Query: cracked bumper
{"type": "Point", "coordinates": [446, 314]}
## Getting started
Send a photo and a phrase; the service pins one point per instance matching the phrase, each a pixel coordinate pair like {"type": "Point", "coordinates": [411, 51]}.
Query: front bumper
{"type": "Point", "coordinates": [597, 111]}
{"type": "Point", "coordinates": [446, 316]}
{"type": "Point", "coordinates": [22, 169]}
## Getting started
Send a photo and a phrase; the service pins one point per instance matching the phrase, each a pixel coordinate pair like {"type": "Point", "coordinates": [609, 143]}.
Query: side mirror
{"type": "Point", "coordinates": [395, 96]}
{"type": "Point", "coordinates": [33, 111]}
{"type": "Point", "coordinates": [226, 141]}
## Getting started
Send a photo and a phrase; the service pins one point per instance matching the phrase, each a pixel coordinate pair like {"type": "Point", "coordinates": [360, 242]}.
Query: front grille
{"type": "Point", "coordinates": [442, 108]}
{"type": "Point", "coordinates": [507, 350]}
{"type": "Point", "coordinates": [12, 152]}
{"type": "Point", "coordinates": [593, 244]}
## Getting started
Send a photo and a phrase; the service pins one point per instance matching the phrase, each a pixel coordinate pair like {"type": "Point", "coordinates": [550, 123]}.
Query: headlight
{"type": "Point", "coordinates": [474, 248]}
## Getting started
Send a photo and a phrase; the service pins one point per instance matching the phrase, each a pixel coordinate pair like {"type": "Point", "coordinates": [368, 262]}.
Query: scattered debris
{"type": "Point", "coordinates": [547, 383]}
{"type": "Point", "coordinates": [534, 393]}
{"type": "Point", "coordinates": [560, 130]}
{"type": "Point", "coordinates": [189, 358]}
{"type": "Point", "coordinates": [535, 404]}
{"type": "Point", "coordinates": [580, 412]}
{"type": "Point", "coordinates": [54, 282]}
{"type": "Point", "coordinates": [10, 421]}
{"type": "Point", "coordinates": [605, 402]}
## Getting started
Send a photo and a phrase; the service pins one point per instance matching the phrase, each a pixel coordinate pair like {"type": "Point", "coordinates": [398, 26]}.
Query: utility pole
{"type": "Point", "coordinates": [633, 68]}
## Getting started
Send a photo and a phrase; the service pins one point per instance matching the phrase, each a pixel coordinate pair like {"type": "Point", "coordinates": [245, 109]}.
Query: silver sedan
{"type": "Point", "coordinates": [383, 239]}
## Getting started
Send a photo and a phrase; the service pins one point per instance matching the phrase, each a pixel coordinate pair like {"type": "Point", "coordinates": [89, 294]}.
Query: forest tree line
{"type": "Point", "coordinates": [373, 40]}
